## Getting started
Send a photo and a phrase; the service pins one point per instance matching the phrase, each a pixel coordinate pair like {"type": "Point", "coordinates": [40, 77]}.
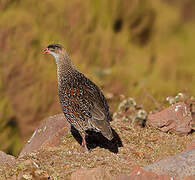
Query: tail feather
{"type": "Point", "coordinates": [104, 127]}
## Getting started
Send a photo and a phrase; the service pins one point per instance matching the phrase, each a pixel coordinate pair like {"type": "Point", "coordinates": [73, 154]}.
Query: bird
{"type": "Point", "coordinates": [83, 103]}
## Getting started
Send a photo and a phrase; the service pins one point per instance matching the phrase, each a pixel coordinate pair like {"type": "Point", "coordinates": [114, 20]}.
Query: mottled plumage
{"type": "Point", "coordinates": [82, 102]}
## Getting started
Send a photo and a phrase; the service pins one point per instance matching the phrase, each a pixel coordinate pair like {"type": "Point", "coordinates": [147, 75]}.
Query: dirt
{"type": "Point", "coordinates": [139, 146]}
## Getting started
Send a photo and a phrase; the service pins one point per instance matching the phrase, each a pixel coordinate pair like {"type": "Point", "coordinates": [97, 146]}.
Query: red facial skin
{"type": "Point", "coordinates": [46, 51]}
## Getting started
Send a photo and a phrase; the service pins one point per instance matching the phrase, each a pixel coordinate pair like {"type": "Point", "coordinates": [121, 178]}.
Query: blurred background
{"type": "Point", "coordinates": [130, 47]}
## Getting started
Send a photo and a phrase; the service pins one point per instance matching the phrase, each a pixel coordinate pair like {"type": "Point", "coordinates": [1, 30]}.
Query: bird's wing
{"type": "Point", "coordinates": [94, 97]}
{"type": "Point", "coordinates": [99, 112]}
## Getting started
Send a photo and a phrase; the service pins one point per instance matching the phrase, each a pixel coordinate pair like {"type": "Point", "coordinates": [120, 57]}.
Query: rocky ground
{"type": "Point", "coordinates": [130, 47]}
{"type": "Point", "coordinates": [137, 152]}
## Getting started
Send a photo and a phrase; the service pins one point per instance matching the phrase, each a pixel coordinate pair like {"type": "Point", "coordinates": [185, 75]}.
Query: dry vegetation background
{"type": "Point", "coordinates": [127, 47]}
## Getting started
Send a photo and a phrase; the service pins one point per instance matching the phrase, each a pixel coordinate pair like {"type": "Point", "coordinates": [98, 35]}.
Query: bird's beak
{"type": "Point", "coordinates": [46, 51]}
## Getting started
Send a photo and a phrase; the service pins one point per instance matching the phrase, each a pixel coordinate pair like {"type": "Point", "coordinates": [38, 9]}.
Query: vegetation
{"type": "Point", "coordinates": [127, 47]}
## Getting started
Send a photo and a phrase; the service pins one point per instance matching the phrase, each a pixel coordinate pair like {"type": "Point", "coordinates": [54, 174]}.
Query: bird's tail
{"type": "Point", "coordinates": [108, 134]}
{"type": "Point", "coordinates": [105, 128]}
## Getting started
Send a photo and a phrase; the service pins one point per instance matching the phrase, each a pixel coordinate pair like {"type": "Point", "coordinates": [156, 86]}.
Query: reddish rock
{"type": "Point", "coordinates": [49, 133]}
{"type": "Point", "coordinates": [92, 174]}
{"type": "Point", "coordinates": [140, 174]}
{"type": "Point", "coordinates": [176, 118]}
{"type": "Point", "coordinates": [189, 178]}
{"type": "Point", "coordinates": [6, 159]}
{"type": "Point", "coordinates": [178, 166]}
{"type": "Point", "coordinates": [122, 177]}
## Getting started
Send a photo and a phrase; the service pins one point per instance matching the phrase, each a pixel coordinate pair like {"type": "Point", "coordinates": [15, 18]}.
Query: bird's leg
{"type": "Point", "coordinates": [84, 142]}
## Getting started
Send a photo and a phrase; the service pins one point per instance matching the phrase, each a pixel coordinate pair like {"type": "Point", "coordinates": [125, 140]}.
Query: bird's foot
{"type": "Point", "coordinates": [84, 144]}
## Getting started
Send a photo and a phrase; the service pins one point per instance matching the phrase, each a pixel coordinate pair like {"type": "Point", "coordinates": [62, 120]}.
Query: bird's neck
{"type": "Point", "coordinates": [64, 67]}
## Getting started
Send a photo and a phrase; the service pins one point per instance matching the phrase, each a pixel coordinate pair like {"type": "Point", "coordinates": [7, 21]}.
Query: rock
{"type": "Point", "coordinates": [140, 174]}
{"type": "Point", "coordinates": [176, 118]}
{"type": "Point", "coordinates": [49, 133]}
{"type": "Point", "coordinates": [6, 159]}
{"type": "Point", "coordinates": [122, 177]}
{"type": "Point", "coordinates": [189, 178]}
{"type": "Point", "coordinates": [178, 166]}
{"type": "Point", "coordinates": [92, 174]}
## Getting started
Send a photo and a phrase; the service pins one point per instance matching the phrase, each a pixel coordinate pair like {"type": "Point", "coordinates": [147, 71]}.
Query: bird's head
{"type": "Point", "coordinates": [55, 50]}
